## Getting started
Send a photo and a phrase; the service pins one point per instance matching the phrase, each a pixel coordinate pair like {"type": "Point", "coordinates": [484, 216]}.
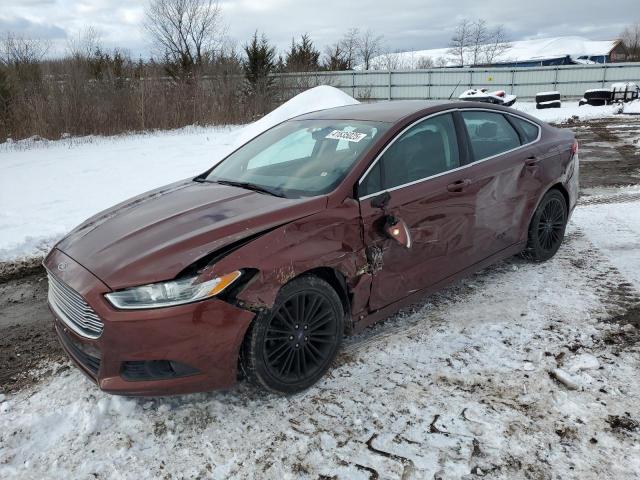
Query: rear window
{"type": "Point", "coordinates": [530, 130]}
{"type": "Point", "coordinates": [490, 134]}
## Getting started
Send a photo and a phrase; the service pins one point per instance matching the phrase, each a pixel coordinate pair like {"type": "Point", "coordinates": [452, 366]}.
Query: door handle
{"type": "Point", "coordinates": [458, 186]}
{"type": "Point", "coordinates": [531, 161]}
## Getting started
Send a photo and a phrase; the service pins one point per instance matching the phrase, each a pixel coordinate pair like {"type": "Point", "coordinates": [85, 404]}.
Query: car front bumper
{"type": "Point", "coordinates": [201, 340]}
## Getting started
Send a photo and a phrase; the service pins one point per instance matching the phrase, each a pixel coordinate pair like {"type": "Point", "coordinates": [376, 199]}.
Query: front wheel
{"type": "Point", "coordinates": [547, 227]}
{"type": "Point", "coordinates": [290, 347]}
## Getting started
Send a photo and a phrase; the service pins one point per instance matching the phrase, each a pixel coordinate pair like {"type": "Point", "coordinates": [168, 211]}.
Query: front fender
{"type": "Point", "coordinates": [331, 238]}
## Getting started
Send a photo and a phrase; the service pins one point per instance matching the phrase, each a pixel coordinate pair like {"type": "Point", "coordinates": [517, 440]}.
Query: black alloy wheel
{"type": "Point", "coordinates": [551, 224]}
{"type": "Point", "coordinates": [289, 348]}
{"type": "Point", "coordinates": [547, 227]}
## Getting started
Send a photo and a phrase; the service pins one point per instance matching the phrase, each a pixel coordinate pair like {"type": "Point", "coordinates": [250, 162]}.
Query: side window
{"type": "Point", "coordinates": [530, 130]}
{"type": "Point", "coordinates": [426, 149]}
{"type": "Point", "coordinates": [372, 183]}
{"type": "Point", "coordinates": [490, 133]}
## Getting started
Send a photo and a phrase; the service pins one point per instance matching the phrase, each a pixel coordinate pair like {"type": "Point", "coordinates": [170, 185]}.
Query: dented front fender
{"type": "Point", "coordinates": [328, 239]}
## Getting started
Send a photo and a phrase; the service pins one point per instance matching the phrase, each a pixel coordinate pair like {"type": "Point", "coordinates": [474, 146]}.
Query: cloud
{"type": "Point", "coordinates": [405, 24]}
{"type": "Point", "coordinates": [31, 29]}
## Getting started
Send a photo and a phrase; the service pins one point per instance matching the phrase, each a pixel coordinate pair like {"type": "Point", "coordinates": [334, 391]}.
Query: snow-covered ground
{"type": "Point", "coordinates": [461, 388]}
{"type": "Point", "coordinates": [49, 187]}
{"type": "Point", "coordinates": [568, 110]}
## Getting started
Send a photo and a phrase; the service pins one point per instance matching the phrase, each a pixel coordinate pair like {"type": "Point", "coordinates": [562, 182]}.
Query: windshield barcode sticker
{"type": "Point", "coordinates": [348, 136]}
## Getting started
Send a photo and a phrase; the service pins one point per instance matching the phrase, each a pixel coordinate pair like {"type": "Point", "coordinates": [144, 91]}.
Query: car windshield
{"type": "Point", "coordinates": [299, 158]}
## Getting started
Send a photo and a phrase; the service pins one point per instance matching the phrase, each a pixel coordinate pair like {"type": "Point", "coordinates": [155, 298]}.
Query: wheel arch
{"type": "Point", "coordinates": [561, 188]}
{"type": "Point", "coordinates": [556, 186]}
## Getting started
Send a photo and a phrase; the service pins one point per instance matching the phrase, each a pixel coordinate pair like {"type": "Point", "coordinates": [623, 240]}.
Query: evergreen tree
{"type": "Point", "coordinates": [335, 58]}
{"type": "Point", "coordinates": [258, 64]}
{"type": "Point", "coordinates": [303, 56]}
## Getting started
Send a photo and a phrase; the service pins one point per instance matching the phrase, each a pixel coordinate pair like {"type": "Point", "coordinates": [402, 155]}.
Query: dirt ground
{"type": "Point", "coordinates": [608, 158]}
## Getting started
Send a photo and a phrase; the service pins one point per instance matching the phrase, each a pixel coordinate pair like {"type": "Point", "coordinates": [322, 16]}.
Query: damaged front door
{"type": "Point", "coordinates": [417, 183]}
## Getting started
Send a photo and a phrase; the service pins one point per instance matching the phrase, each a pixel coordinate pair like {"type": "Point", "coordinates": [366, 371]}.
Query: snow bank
{"type": "Point", "coordinates": [312, 100]}
{"type": "Point", "coordinates": [48, 187]}
{"type": "Point", "coordinates": [567, 111]}
{"type": "Point", "coordinates": [632, 108]}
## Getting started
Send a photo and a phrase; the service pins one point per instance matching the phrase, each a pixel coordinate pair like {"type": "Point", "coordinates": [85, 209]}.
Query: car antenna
{"type": "Point", "coordinates": [454, 90]}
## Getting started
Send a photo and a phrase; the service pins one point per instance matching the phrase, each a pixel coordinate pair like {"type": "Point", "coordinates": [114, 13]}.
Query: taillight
{"type": "Point", "coordinates": [574, 147]}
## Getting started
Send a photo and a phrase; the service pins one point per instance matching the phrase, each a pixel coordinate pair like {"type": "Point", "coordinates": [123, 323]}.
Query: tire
{"type": "Point", "coordinates": [290, 347]}
{"type": "Point", "coordinates": [547, 97]}
{"type": "Point", "coordinates": [551, 104]}
{"type": "Point", "coordinates": [547, 227]}
{"type": "Point", "coordinates": [600, 94]}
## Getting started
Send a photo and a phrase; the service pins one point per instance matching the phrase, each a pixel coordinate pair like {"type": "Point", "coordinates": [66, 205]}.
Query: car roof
{"type": "Point", "coordinates": [386, 111]}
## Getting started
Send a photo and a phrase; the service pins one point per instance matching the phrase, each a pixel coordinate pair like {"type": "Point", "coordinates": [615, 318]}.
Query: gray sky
{"type": "Point", "coordinates": [405, 24]}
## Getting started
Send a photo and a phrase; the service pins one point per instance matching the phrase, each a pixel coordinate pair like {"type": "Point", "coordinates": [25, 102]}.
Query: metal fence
{"type": "Point", "coordinates": [570, 80]}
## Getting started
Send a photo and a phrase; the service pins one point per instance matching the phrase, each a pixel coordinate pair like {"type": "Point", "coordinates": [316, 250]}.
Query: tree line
{"type": "Point", "coordinates": [196, 75]}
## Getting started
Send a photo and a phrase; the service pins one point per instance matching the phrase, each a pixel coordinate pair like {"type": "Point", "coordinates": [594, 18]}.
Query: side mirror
{"type": "Point", "coordinates": [381, 201]}
{"type": "Point", "coordinates": [396, 229]}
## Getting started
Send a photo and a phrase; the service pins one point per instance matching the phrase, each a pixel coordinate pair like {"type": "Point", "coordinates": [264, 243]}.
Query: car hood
{"type": "Point", "coordinates": [154, 236]}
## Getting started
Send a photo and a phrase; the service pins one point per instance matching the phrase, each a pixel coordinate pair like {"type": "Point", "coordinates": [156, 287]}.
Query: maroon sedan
{"type": "Point", "coordinates": [317, 228]}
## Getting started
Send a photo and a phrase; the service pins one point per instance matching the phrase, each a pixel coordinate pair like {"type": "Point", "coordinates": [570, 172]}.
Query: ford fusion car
{"type": "Point", "coordinates": [317, 228]}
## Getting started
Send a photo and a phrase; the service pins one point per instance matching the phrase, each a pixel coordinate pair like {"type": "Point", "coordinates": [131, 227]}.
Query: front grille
{"type": "Point", "coordinates": [73, 310]}
{"type": "Point", "coordinates": [88, 361]}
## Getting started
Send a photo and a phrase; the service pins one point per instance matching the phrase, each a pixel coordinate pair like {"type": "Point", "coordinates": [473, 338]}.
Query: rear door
{"type": "Point", "coordinates": [503, 160]}
{"type": "Point", "coordinates": [420, 175]}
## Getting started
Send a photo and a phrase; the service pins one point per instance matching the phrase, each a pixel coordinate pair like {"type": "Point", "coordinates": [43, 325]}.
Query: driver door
{"type": "Point", "coordinates": [417, 182]}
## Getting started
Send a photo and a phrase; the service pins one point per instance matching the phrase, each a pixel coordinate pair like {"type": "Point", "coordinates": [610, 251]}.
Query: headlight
{"type": "Point", "coordinates": [168, 294]}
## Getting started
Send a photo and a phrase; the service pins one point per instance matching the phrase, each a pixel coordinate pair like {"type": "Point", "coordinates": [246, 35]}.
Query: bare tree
{"type": "Point", "coordinates": [460, 41]}
{"type": "Point", "coordinates": [388, 61]}
{"type": "Point", "coordinates": [478, 38]}
{"type": "Point", "coordinates": [631, 39]}
{"type": "Point", "coordinates": [369, 46]}
{"type": "Point", "coordinates": [424, 63]}
{"type": "Point", "coordinates": [84, 44]}
{"type": "Point", "coordinates": [17, 50]}
{"type": "Point", "coordinates": [441, 62]}
{"type": "Point", "coordinates": [186, 31]}
{"type": "Point", "coordinates": [474, 43]}
{"type": "Point", "coordinates": [349, 46]}
{"type": "Point", "coordinates": [495, 45]}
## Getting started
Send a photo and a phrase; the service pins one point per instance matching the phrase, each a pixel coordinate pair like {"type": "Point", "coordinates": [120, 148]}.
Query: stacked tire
{"type": "Point", "coordinates": [596, 97]}
{"type": "Point", "coordinates": [548, 100]}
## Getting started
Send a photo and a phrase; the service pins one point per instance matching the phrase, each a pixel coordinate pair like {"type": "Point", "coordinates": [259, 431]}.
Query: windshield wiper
{"type": "Point", "coordinates": [252, 186]}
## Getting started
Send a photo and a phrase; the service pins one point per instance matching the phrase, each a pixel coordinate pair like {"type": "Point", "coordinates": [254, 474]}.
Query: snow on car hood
{"type": "Point", "coordinates": [154, 236]}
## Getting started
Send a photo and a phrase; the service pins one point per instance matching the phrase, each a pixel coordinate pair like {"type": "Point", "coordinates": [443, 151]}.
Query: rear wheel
{"type": "Point", "coordinates": [547, 227]}
{"type": "Point", "coordinates": [290, 347]}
